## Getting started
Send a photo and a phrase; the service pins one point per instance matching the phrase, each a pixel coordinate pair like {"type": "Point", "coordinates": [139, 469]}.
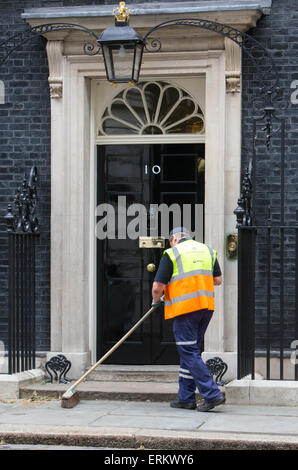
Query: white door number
{"type": "Point", "coordinates": [155, 169]}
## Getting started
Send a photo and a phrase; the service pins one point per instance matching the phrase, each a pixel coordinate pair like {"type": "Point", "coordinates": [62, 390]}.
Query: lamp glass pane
{"type": "Point", "coordinates": [138, 61]}
{"type": "Point", "coordinates": [108, 62]}
{"type": "Point", "coordinates": [123, 58]}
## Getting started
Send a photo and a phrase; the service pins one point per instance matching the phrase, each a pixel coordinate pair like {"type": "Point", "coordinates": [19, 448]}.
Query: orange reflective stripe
{"type": "Point", "coordinates": [190, 295]}
{"type": "Point", "coordinates": [189, 284]}
{"type": "Point", "coordinates": [189, 305]}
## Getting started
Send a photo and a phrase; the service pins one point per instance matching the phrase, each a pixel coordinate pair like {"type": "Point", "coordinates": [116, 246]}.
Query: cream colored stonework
{"type": "Point", "coordinates": [187, 54]}
{"type": "Point", "coordinates": [233, 67]}
{"type": "Point", "coordinates": [54, 52]}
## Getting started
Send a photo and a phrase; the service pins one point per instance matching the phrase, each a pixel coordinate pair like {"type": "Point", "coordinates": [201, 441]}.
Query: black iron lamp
{"type": "Point", "coordinates": [122, 49]}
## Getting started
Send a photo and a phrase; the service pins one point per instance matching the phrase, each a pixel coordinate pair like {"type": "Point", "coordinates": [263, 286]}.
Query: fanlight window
{"type": "Point", "coordinates": [152, 108]}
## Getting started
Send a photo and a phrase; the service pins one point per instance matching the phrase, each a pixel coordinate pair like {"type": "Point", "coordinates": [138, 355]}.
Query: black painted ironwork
{"type": "Point", "coordinates": [217, 367]}
{"type": "Point", "coordinates": [246, 301]}
{"type": "Point", "coordinates": [241, 38]}
{"type": "Point", "coordinates": [267, 301]}
{"type": "Point", "coordinates": [57, 368]}
{"type": "Point", "coordinates": [22, 229]}
{"type": "Point", "coordinates": [17, 40]}
{"type": "Point", "coordinates": [24, 219]}
{"type": "Point", "coordinates": [244, 210]}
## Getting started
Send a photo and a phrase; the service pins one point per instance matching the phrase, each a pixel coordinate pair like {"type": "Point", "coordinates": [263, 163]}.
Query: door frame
{"type": "Point", "coordinates": [222, 164]}
{"type": "Point", "coordinates": [110, 140]}
{"type": "Point", "coordinates": [73, 140]}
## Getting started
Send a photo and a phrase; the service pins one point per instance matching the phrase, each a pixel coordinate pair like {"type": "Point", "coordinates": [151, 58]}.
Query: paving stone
{"type": "Point", "coordinates": [252, 424]}
{"type": "Point", "coordinates": [190, 422]}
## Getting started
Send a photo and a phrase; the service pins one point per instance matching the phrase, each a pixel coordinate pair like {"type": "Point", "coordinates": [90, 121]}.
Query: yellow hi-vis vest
{"type": "Point", "coordinates": [191, 286]}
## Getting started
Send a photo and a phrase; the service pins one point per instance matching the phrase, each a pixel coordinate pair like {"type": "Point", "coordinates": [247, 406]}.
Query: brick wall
{"type": "Point", "coordinates": [25, 141]}
{"type": "Point", "coordinates": [279, 33]}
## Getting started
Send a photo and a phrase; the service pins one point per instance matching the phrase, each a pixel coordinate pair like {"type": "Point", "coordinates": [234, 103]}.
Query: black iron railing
{"type": "Point", "coordinates": [22, 228]}
{"type": "Point", "coordinates": [21, 322]}
{"type": "Point", "coordinates": [268, 302]}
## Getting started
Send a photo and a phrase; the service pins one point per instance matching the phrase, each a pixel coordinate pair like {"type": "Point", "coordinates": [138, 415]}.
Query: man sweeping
{"type": "Point", "coordinates": [187, 274]}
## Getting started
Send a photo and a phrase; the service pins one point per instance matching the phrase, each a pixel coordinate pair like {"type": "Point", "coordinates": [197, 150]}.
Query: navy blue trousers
{"type": "Point", "coordinates": [189, 330]}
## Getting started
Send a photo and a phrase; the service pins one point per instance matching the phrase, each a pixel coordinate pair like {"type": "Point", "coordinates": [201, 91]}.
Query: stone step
{"type": "Point", "coordinates": [100, 390]}
{"type": "Point", "coordinates": [115, 382]}
{"type": "Point", "coordinates": [123, 373]}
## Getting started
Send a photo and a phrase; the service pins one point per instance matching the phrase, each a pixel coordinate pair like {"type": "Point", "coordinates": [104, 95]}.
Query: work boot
{"type": "Point", "coordinates": [209, 405]}
{"type": "Point", "coordinates": [184, 404]}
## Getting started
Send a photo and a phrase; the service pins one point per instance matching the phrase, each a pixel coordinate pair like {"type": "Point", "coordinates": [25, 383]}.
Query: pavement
{"type": "Point", "coordinates": [123, 424]}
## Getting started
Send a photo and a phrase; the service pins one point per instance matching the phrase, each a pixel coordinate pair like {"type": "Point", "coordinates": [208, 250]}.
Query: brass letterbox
{"type": "Point", "coordinates": [151, 242]}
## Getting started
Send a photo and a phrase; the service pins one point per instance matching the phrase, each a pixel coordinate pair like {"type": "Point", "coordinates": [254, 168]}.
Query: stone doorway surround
{"type": "Point", "coordinates": [186, 52]}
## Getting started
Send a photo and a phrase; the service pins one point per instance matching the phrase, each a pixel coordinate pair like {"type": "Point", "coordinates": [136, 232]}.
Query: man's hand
{"type": "Point", "coordinates": [159, 303]}
{"type": "Point", "coordinates": [157, 292]}
{"type": "Point", "coordinates": [217, 280]}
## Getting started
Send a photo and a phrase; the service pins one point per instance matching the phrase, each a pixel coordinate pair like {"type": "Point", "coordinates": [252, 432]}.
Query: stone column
{"type": "Point", "coordinates": [232, 184]}
{"type": "Point", "coordinates": [55, 60]}
{"type": "Point", "coordinates": [215, 186]}
{"type": "Point", "coordinates": [75, 299]}
{"type": "Point", "coordinates": [69, 210]}
{"type": "Point", "coordinates": [221, 337]}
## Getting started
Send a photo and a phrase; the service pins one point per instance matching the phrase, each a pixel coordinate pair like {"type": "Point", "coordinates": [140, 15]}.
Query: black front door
{"type": "Point", "coordinates": [147, 175]}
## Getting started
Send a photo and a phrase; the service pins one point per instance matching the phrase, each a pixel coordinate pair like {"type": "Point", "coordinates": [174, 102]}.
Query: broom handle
{"type": "Point", "coordinates": [107, 354]}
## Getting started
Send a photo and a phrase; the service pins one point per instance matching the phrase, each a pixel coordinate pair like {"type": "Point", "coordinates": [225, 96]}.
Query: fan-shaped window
{"type": "Point", "coordinates": [152, 108]}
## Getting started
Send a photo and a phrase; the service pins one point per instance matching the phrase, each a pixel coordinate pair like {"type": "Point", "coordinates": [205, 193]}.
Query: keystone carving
{"type": "Point", "coordinates": [233, 82]}
{"type": "Point", "coordinates": [56, 87]}
{"type": "Point", "coordinates": [233, 67]}
{"type": "Point", "coordinates": [55, 58]}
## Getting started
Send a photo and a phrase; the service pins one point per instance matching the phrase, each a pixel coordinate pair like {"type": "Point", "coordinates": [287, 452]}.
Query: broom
{"type": "Point", "coordinates": [71, 397]}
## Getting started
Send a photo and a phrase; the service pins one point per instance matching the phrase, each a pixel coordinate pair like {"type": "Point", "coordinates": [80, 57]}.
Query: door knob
{"type": "Point", "coordinates": [151, 267]}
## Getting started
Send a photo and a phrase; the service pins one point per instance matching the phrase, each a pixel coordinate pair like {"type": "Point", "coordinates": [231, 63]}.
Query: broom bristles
{"type": "Point", "coordinates": [70, 400]}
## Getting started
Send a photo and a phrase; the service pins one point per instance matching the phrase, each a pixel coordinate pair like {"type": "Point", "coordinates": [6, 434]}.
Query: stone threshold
{"type": "Point", "coordinates": [262, 392]}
